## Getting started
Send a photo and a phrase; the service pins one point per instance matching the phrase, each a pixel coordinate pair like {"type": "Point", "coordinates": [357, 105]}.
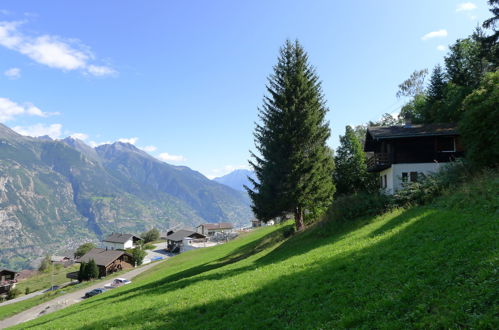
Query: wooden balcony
{"type": "Point", "coordinates": [378, 162]}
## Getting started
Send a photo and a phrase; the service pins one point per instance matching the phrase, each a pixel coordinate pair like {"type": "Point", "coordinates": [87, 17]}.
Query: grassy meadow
{"type": "Point", "coordinates": [427, 267]}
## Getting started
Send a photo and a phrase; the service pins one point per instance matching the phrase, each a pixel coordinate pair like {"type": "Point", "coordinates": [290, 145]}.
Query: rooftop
{"type": "Point", "coordinates": [102, 257]}
{"type": "Point", "coordinates": [120, 238]}
{"type": "Point", "coordinates": [390, 132]}
{"type": "Point", "coordinates": [179, 235]}
{"type": "Point", "coordinates": [221, 225]}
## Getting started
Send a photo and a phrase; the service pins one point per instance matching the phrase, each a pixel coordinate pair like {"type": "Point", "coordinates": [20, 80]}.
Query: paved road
{"type": "Point", "coordinates": [31, 295]}
{"type": "Point", "coordinates": [65, 300]}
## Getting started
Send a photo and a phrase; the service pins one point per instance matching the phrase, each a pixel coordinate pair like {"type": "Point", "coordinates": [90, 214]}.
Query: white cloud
{"type": "Point", "coordinates": [129, 140]}
{"type": "Point", "coordinates": [10, 109]}
{"type": "Point", "coordinates": [435, 34]}
{"type": "Point", "coordinates": [465, 6]}
{"type": "Point", "coordinates": [79, 136]}
{"type": "Point", "coordinates": [171, 158]}
{"type": "Point", "coordinates": [441, 48]}
{"type": "Point", "coordinates": [149, 148]}
{"type": "Point", "coordinates": [100, 70]}
{"type": "Point", "coordinates": [53, 130]}
{"type": "Point", "coordinates": [51, 50]}
{"type": "Point", "coordinates": [13, 73]}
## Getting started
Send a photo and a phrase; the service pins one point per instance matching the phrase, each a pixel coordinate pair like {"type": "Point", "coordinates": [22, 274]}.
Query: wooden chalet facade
{"type": "Point", "coordinates": [8, 280]}
{"type": "Point", "coordinates": [108, 261]}
{"type": "Point", "coordinates": [403, 153]}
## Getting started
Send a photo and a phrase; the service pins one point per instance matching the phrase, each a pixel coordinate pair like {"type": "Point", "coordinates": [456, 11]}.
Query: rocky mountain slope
{"type": "Point", "coordinates": [55, 195]}
{"type": "Point", "coordinates": [237, 179]}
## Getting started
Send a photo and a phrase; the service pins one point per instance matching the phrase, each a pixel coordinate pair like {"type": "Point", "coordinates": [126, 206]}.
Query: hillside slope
{"type": "Point", "coordinates": [54, 195]}
{"type": "Point", "coordinates": [237, 179]}
{"type": "Point", "coordinates": [428, 267]}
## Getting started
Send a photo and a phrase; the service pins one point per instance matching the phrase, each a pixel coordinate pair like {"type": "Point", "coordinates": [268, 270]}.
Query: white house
{"type": "Point", "coordinates": [118, 241]}
{"type": "Point", "coordinates": [403, 153]}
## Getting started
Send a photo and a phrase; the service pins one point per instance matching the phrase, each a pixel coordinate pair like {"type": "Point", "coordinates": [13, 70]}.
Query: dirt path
{"type": "Point", "coordinates": [66, 300]}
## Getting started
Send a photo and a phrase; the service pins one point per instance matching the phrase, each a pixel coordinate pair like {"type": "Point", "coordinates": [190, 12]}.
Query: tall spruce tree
{"type": "Point", "coordinates": [294, 166]}
{"type": "Point", "coordinates": [350, 174]}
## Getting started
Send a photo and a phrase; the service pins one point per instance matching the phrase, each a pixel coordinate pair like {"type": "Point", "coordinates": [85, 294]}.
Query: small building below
{"type": "Point", "coordinates": [177, 240]}
{"type": "Point", "coordinates": [108, 261]}
{"type": "Point", "coordinates": [209, 229]}
{"type": "Point", "coordinates": [8, 280]}
{"type": "Point", "coordinates": [119, 241]}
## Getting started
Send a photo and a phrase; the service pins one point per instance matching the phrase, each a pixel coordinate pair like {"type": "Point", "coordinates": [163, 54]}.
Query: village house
{"type": "Point", "coordinates": [401, 154]}
{"type": "Point", "coordinates": [118, 241]}
{"type": "Point", "coordinates": [176, 241]}
{"type": "Point", "coordinates": [8, 280]}
{"type": "Point", "coordinates": [209, 229]}
{"type": "Point", "coordinates": [108, 261]}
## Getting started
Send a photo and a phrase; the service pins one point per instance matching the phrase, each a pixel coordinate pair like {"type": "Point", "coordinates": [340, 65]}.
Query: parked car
{"type": "Point", "coordinates": [117, 282]}
{"type": "Point", "coordinates": [94, 292]}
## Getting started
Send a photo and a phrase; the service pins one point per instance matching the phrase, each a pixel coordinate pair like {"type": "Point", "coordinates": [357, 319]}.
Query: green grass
{"type": "Point", "coordinates": [425, 267]}
{"type": "Point", "coordinates": [15, 308]}
{"type": "Point", "coordinates": [43, 280]}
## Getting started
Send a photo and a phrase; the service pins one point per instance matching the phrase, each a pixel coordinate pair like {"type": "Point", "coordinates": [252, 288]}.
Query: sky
{"type": "Point", "coordinates": [183, 80]}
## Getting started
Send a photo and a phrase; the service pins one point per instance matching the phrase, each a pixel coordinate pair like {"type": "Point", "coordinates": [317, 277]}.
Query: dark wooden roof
{"type": "Point", "coordinates": [120, 238]}
{"type": "Point", "coordinates": [392, 132]}
{"type": "Point", "coordinates": [221, 225]}
{"type": "Point", "coordinates": [2, 270]}
{"type": "Point", "coordinates": [179, 235]}
{"type": "Point", "coordinates": [102, 257]}
{"type": "Point", "coordinates": [378, 133]}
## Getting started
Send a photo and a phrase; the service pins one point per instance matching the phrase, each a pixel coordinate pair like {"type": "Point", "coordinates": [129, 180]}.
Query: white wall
{"type": "Point", "coordinates": [394, 173]}
{"type": "Point", "coordinates": [118, 246]}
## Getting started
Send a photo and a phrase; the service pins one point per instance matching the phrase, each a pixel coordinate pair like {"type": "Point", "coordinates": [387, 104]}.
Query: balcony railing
{"type": "Point", "coordinates": [378, 161]}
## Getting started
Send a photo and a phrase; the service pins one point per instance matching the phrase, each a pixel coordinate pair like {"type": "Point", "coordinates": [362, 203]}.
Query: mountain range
{"type": "Point", "coordinates": [57, 194]}
{"type": "Point", "coordinates": [237, 179]}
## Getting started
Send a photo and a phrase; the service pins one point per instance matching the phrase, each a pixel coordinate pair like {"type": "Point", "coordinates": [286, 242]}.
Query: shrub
{"type": "Point", "coordinates": [138, 256]}
{"type": "Point", "coordinates": [45, 264]}
{"type": "Point", "coordinates": [91, 270]}
{"type": "Point", "coordinates": [27, 290]}
{"type": "Point", "coordinates": [349, 207]}
{"type": "Point", "coordinates": [151, 235]}
{"type": "Point", "coordinates": [83, 249]}
{"type": "Point", "coordinates": [13, 293]}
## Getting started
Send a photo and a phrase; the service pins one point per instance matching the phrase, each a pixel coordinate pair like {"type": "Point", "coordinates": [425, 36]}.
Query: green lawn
{"type": "Point", "coordinates": [43, 280]}
{"type": "Point", "coordinates": [427, 267]}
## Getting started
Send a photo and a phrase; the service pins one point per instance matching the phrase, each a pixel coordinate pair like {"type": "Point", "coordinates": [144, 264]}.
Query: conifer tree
{"type": "Point", "coordinates": [92, 270]}
{"type": "Point", "coordinates": [294, 166]}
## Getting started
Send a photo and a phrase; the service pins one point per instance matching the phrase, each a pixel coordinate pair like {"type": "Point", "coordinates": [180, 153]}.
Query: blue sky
{"type": "Point", "coordinates": [183, 79]}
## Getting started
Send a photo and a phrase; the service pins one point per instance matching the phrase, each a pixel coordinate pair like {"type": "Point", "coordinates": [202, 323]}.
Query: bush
{"type": "Point", "coordinates": [13, 293]}
{"type": "Point", "coordinates": [45, 264]}
{"type": "Point", "coordinates": [431, 186]}
{"type": "Point", "coordinates": [83, 249]}
{"type": "Point", "coordinates": [349, 207]}
{"type": "Point", "coordinates": [151, 235]}
{"type": "Point", "coordinates": [91, 270]}
{"type": "Point", "coordinates": [138, 256]}
{"type": "Point", "coordinates": [27, 290]}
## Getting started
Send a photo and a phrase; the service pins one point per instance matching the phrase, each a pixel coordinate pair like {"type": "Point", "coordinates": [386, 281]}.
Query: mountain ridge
{"type": "Point", "coordinates": [60, 193]}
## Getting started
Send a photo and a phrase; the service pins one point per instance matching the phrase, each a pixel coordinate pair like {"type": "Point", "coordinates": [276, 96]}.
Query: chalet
{"type": "Point", "coordinates": [256, 223]}
{"type": "Point", "coordinates": [403, 153]}
{"type": "Point", "coordinates": [118, 241]}
{"type": "Point", "coordinates": [209, 229]}
{"type": "Point", "coordinates": [8, 280]}
{"type": "Point", "coordinates": [183, 237]}
{"type": "Point", "coordinates": [108, 261]}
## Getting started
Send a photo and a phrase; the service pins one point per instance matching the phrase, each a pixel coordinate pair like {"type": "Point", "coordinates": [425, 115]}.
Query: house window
{"type": "Point", "coordinates": [381, 182]}
{"type": "Point", "coordinates": [384, 181]}
{"type": "Point", "coordinates": [446, 144]}
{"type": "Point", "coordinates": [414, 176]}
{"type": "Point", "coordinates": [405, 175]}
